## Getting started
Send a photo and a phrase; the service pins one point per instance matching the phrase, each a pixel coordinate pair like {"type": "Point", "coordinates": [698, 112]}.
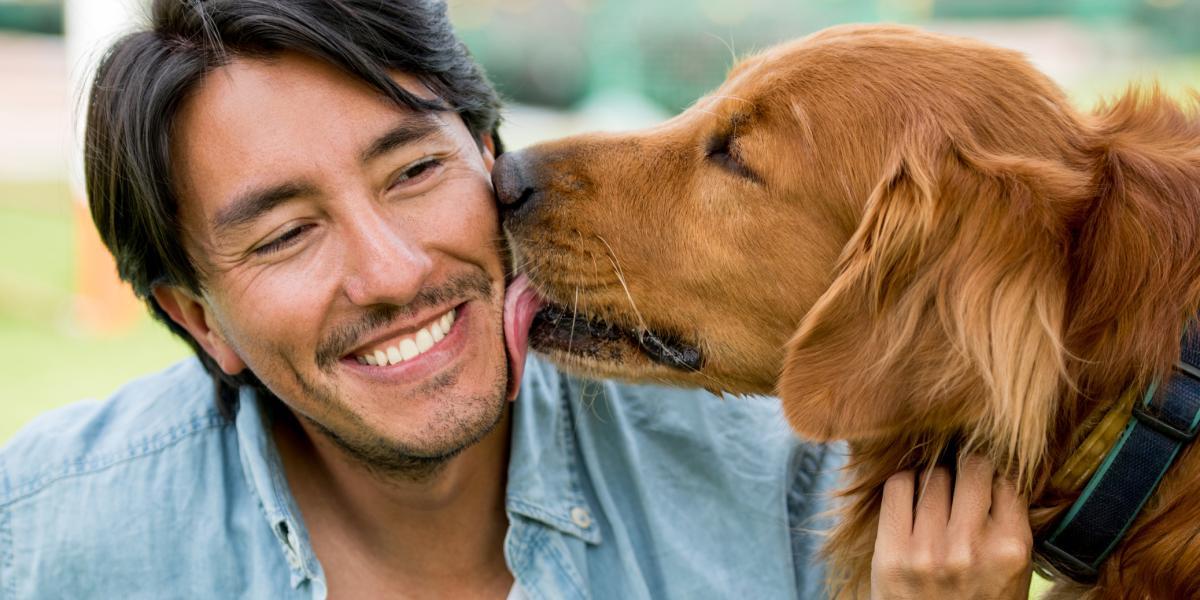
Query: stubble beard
{"type": "Point", "coordinates": [449, 434]}
{"type": "Point", "coordinates": [459, 423]}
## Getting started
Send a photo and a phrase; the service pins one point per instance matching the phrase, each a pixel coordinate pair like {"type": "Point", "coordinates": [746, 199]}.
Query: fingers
{"type": "Point", "coordinates": [972, 493]}
{"type": "Point", "coordinates": [896, 511]}
{"type": "Point", "coordinates": [1009, 539]}
{"type": "Point", "coordinates": [966, 538]}
{"type": "Point", "coordinates": [933, 506]}
{"type": "Point", "coordinates": [1009, 507]}
{"type": "Point", "coordinates": [889, 569]}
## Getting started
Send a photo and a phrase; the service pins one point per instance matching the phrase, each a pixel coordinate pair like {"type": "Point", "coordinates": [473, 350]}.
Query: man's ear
{"type": "Point", "coordinates": [946, 311]}
{"type": "Point", "coordinates": [193, 315]}
{"type": "Point", "coordinates": [489, 151]}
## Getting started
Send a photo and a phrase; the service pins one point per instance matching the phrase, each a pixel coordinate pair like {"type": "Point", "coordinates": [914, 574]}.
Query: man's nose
{"type": "Point", "coordinates": [383, 264]}
{"type": "Point", "coordinates": [515, 189]}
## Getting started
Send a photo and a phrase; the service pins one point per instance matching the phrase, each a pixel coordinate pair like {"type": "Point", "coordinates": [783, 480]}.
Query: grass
{"type": "Point", "coordinates": [46, 358]}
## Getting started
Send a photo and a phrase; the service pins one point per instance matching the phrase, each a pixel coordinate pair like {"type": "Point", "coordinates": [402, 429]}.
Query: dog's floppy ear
{"type": "Point", "coordinates": [946, 307]}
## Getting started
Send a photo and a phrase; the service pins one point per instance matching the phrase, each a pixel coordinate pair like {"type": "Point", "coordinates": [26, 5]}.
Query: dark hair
{"type": "Point", "coordinates": [144, 78]}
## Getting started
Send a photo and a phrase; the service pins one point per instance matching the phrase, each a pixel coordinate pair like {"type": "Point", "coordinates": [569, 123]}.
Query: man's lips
{"type": "Point", "coordinates": [521, 303]}
{"type": "Point", "coordinates": [404, 342]}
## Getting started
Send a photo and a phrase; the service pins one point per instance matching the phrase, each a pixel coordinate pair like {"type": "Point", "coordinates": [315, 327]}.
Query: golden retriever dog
{"type": "Point", "coordinates": [914, 241]}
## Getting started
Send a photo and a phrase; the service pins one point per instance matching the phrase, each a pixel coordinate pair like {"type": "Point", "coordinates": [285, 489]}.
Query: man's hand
{"type": "Point", "coordinates": [978, 546]}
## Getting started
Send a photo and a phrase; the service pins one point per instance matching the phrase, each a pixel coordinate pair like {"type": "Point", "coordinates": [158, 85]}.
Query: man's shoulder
{"type": "Point", "coordinates": [132, 495]}
{"type": "Point", "coordinates": [141, 418]}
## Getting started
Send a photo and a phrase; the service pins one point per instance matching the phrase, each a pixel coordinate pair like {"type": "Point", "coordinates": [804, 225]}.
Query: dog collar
{"type": "Point", "coordinates": [1164, 421]}
{"type": "Point", "coordinates": [1087, 457]}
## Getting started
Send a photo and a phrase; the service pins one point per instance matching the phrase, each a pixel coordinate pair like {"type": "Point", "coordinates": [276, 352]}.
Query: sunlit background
{"type": "Point", "coordinates": [68, 331]}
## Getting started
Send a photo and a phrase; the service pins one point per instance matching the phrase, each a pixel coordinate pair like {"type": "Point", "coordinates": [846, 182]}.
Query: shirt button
{"type": "Point", "coordinates": [581, 517]}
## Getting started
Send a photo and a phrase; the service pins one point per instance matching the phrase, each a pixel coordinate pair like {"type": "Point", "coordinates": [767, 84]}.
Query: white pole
{"type": "Point", "coordinates": [102, 303]}
{"type": "Point", "coordinates": [91, 26]}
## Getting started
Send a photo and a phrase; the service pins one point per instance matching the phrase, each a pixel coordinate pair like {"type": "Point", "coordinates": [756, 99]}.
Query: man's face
{"type": "Point", "coordinates": [334, 230]}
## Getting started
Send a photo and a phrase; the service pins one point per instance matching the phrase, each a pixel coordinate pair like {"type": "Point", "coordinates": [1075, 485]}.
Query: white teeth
{"type": "Point", "coordinates": [424, 340]}
{"type": "Point", "coordinates": [412, 346]}
{"type": "Point", "coordinates": [408, 348]}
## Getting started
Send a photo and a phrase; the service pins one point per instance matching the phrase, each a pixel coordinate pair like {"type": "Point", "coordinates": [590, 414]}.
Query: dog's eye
{"type": "Point", "coordinates": [721, 151]}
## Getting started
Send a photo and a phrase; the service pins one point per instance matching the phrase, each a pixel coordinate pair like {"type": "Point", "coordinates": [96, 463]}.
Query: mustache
{"type": "Point", "coordinates": [473, 286]}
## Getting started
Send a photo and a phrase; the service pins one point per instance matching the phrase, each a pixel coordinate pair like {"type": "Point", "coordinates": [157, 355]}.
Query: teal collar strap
{"type": "Point", "coordinates": [1164, 421]}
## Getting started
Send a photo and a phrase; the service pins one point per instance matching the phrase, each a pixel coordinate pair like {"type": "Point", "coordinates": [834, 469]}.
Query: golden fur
{"type": "Point", "coordinates": [917, 243]}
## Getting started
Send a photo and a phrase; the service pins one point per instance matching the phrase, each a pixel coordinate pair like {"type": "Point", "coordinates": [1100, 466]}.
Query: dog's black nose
{"type": "Point", "coordinates": [511, 180]}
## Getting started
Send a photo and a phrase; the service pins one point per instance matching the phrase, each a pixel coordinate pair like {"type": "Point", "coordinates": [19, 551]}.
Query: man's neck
{"type": "Point", "coordinates": [369, 529]}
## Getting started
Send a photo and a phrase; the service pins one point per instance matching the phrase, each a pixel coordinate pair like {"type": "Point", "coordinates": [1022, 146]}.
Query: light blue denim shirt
{"type": "Point", "coordinates": [614, 491]}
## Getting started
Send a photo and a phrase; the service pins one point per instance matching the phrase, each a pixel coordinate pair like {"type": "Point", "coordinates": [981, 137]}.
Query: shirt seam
{"type": "Point", "coordinates": [540, 543]}
{"type": "Point", "coordinates": [88, 465]}
{"type": "Point", "coordinates": [567, 435]}
{"type": "Point", "coordinates": [796, 478]}
{"type": "Point", "coordinates": [551, 511]}
{"type": "Point", "coordinates": [524, 545]}
{"type": "Point", "coordinates": [807, 463]}
{"type": "Point", "coordinates": [567, 567]}
{"type": "Point", "coordinates": [279, 510]}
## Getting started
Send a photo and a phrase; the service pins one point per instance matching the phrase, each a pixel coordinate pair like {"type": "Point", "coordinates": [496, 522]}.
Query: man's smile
{"type": "Point", "coordinates": [405, 345]}
{"type": "Point", "coordinates": [403, 359]}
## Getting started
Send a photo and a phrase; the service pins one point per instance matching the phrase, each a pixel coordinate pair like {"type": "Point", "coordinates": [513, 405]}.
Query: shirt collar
{"type": "Point", "coordinates": [266, 478]}
{"type": "Point", "coordinates": [544, 476]}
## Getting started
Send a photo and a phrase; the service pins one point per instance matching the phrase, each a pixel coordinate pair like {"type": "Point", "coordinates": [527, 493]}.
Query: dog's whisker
{"type": "Point", "coordinates": [643, 329]}
{"type": "Point", "coordinates": [730, 97]}
{"type": "Point", "coordinates": [728, 46]}
{"type": "Point", "coordinates": [707, 112]}
{"type": "Point", "coordinates": [612, 258]}
{"type": "Point", "coordinates": [574, 314]}
{"type": "Point", "coordinates": [589, 393]}
{"type": "Point", "coordinates": [595, 264]}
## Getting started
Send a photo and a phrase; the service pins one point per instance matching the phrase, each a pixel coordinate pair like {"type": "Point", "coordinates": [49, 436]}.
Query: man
{"type": "Point", "coordinates": [300, 189]}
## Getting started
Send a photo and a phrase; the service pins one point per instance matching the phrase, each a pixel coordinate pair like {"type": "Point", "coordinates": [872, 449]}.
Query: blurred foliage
{"type": "Point", "coordinates": [558, 52]}
{"type": "Point", "coordinates": [1176, 22]}
{"type": "Point", "coordinates": [33, 16]}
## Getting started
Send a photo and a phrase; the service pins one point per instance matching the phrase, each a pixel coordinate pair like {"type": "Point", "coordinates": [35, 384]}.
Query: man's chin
{"type": "Point", "coordinates": [420, 455]}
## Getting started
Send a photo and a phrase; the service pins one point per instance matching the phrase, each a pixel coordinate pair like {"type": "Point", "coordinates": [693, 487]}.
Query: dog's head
{"type": "Point", "coordinates": [879, 224]}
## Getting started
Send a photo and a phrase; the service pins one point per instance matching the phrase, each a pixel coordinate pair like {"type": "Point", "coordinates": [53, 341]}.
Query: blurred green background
{"type": "Point", "coordinates": [564, 65]}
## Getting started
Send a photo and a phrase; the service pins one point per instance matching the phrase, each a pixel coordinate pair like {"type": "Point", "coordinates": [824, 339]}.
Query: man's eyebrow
{"type": "Point", "coordinates": [413, 127]}
{"type": "Point", "coordinates": [254, 203]}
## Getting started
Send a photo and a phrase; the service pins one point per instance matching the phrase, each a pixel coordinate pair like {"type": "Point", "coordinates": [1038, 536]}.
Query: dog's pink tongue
{"type": "Point", "coordinates": [520, 304]}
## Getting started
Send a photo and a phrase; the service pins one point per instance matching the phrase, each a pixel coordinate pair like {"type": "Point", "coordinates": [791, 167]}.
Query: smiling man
{"type": "Point", "coordinates": [308, 199]}
{"type": "Point", "coordinates": [301, 191]}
